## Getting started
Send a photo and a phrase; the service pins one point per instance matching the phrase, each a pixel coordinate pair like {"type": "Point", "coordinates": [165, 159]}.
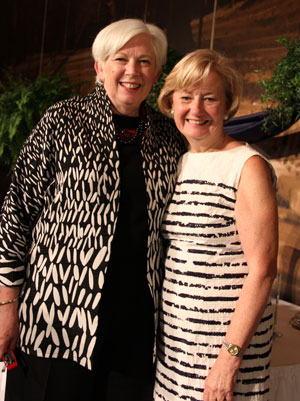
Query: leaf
{"type": "Point", "coordinates": [281, 93]}
{"type": "Point", "coordinates": [173, 56]}
{"type": "Point", "coordinates": [22, 104]}
{"type": "Point", "coordinates": [14, 123]}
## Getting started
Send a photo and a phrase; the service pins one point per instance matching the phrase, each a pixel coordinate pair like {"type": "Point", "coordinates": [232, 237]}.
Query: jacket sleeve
{"type": "Point", "coordinates": [33, 173]}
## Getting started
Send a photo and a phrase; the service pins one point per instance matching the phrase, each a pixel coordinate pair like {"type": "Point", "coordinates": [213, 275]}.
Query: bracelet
{"type": "Point", "coordinates": [10, 301]}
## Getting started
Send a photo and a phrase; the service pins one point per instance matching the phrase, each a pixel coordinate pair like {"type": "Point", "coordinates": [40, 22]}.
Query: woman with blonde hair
{"type": "Point", "coordinates": [220, 231]}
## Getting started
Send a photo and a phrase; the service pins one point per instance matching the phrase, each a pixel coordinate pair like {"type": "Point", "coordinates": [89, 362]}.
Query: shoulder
{"type": "Point", "coordinates": [258, 169]}
{"type": "Point", "coordinates": [257, 183]}
{"type": "Point", "coordinates": [94, 104]}
{"type": "Point", "coordinates": [250, 163]}
{"type": "Point", "coordinates": [73, 113]}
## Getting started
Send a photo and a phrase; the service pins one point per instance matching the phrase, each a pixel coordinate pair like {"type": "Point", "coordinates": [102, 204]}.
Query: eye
{"type": "Point", "coordinates": [185, 98]}
{"type": "Point", "coordinates": [120, 59]}
{"type": "Point", "coordinates": [145, 61]}
{"type": "Point", "coordinates": [210, 99]}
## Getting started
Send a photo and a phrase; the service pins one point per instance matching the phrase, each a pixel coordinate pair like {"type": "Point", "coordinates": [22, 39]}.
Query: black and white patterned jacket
{"type": "Point", "coordinates": [59, 217]}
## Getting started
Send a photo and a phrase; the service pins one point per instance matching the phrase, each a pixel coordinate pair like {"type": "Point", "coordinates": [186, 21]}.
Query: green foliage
{"type": "Point", "coordinates": [282, 91]}
{"type": "Point", "coordinates": [22, 104]}
{"type": "Point", "coordinates": [173, 56]}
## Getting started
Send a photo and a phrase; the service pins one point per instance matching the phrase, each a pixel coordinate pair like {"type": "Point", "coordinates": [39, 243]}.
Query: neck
{"type": "Point", "coordinates": [125, 110]}
{"type": "Point", "coordinates": [223, 142]}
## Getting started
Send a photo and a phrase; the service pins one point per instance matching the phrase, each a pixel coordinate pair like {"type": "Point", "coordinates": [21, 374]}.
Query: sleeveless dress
{"type": "Point", "coordinates": [205, 269]}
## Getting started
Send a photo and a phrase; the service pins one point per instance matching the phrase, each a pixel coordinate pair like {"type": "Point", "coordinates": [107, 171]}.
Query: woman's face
{"type": "Point", "coordinates": [129, 74]}
{"type": "Point", "coordinates": [199, 113]}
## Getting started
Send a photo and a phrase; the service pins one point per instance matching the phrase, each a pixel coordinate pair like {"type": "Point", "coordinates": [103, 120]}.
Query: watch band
{"type": "Point", "coordinates": [233, 349]}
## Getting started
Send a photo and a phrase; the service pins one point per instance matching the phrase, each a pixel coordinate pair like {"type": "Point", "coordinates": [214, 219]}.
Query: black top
{"type": "Point", "coordinates": [126, 308]}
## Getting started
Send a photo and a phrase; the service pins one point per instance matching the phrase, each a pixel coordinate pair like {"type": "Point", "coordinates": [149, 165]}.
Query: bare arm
{"type": "Point", "coordinates": [256, 218]}
{"type": "Point", "coordinates": [9, 321]}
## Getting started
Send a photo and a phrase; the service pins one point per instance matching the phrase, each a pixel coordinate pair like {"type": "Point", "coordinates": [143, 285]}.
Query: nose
{"type": "Point", "coordinates": [132, 67]}
{"type": "Point", "coordinates": [197, 106]}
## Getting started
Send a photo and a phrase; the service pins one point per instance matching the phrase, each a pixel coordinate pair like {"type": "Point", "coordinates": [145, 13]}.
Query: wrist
{"type": "Point", "coordinates": [233, 349]}
{"type": "Point", "coordinates": [9, 301]}
{"type": "Point", "coordinates": [229, 361]}
{"type": "Point", "coordinates": [8, 294]}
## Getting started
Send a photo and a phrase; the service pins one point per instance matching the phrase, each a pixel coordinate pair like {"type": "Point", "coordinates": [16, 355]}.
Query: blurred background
{"type": "Point", "coordinates": [63, 30]}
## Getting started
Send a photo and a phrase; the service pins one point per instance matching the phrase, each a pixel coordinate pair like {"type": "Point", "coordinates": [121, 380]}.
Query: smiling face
{"type": "Point", "coordinates": [199, 113]}
{"type": "Point", "coordinates": [129, 74]}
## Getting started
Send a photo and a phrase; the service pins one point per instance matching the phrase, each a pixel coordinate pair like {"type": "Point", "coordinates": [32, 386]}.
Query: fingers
{"type": "Point", "coordinates": [218, 387]}
{"type": "Point", "coordinates": [3, 348]}
{"type": "Point", "coordinates": [9, 328]}
{"type": "Point", "coordinates": [229, 396]}
{"type": "Point", "coordinates": [6, 344]}
{"type": "Point", "coordinates": [12, 343]}
{"type": "Point", "coordinates": [217, 396]}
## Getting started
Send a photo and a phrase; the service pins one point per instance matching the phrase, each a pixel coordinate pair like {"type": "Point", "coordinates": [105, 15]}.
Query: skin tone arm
{"type": "Point", "coordinates": [9, 322]}
{"type": "Point", "coordinates": [257, 223]}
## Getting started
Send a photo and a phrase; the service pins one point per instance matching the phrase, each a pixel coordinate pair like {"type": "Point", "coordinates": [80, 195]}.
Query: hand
{"type": "Point", "coordinates": [221, 378]}
{"type": "Point", "coordinates": [9, 327]}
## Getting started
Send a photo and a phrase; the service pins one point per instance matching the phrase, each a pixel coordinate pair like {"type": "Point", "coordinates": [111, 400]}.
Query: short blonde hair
{"type": "Point", "coordinates": [192, 69]}
{"type": "Point", "coordinates": [114, 36]}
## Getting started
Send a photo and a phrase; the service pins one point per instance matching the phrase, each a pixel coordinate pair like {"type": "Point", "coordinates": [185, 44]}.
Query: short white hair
{"type": "Point", "coordinates": [114, 36]}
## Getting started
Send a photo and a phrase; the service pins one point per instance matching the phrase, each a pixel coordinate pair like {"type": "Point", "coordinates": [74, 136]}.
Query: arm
{"type": "Point", "coordinates": [22, 205]}
{"type": "Point", "coordinates": [9, 322]}
{"type": "Point", "coordinates": [24, 201]}
{"type": "Point", "coordinates": [256, 218]}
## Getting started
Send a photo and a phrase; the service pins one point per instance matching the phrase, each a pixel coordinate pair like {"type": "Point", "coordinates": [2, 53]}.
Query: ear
{"type": "Point", "coordinates": [171, 107]}
{"type": "Point", "coordinates": [99, 70]}
{"type": "Point", "coordinates": [226, 117]}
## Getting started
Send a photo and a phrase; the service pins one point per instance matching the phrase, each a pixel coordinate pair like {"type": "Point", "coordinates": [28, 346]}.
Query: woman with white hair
{"type": "Point", "coordinates": [79, 232]}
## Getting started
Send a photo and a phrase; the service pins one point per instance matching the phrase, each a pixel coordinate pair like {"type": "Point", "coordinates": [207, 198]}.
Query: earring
{"type": "Point", "coordinates": [172, 112]}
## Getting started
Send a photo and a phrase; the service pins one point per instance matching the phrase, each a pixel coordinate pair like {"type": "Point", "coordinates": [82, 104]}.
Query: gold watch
{"type": "Point", "coordinates": [233, 350]}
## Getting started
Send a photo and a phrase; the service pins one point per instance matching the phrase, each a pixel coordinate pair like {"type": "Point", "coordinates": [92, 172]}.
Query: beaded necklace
{"type": "Point", "coordinates": [131, 130]}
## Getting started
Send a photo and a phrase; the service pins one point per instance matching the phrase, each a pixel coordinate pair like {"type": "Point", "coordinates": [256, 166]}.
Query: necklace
{"type": "Point", "coordinates": [131, 130]}
{"type": "Point", "coordinates": [125, 135]}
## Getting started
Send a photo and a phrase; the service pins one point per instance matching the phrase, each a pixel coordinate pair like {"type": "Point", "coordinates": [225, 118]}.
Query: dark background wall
{"type": "Point", "coordinates": [245, 30]}
{"type": "Point", "coordinates": [72, 24]}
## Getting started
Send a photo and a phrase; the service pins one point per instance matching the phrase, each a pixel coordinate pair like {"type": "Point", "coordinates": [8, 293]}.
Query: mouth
{"type": "Point", "coordinates": [197, 122]}
{"type": "Point", "coordinates": [129, 85]}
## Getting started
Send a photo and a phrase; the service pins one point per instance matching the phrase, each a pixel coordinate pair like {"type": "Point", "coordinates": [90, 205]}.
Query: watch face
{"type": "Point", "coordinates": [233, 350]}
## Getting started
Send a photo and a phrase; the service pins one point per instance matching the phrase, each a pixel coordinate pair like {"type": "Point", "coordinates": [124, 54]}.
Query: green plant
{"type": "Point", "coordinates": [22, 104]}
{"type": "Point", "coordinates": [282, 91]}
{"type": "Point", "coordinates": [173, 56]}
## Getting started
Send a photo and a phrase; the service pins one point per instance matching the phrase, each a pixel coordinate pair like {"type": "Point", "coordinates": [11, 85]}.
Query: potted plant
{"type": "Point", "coordinates": [281, 93]}
{"type": "Point", "coordinates": [22, 104]}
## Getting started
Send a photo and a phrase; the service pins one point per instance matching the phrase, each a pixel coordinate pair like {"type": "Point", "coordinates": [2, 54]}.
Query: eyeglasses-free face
{"type": "Point", "coordinates": [199, 113]}
{"type": "Point", "coordinates": [129, 74]}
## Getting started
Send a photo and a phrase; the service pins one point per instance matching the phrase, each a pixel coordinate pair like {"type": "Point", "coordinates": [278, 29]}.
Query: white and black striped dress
{"type": "Point", "coordinates": [205, 269]}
